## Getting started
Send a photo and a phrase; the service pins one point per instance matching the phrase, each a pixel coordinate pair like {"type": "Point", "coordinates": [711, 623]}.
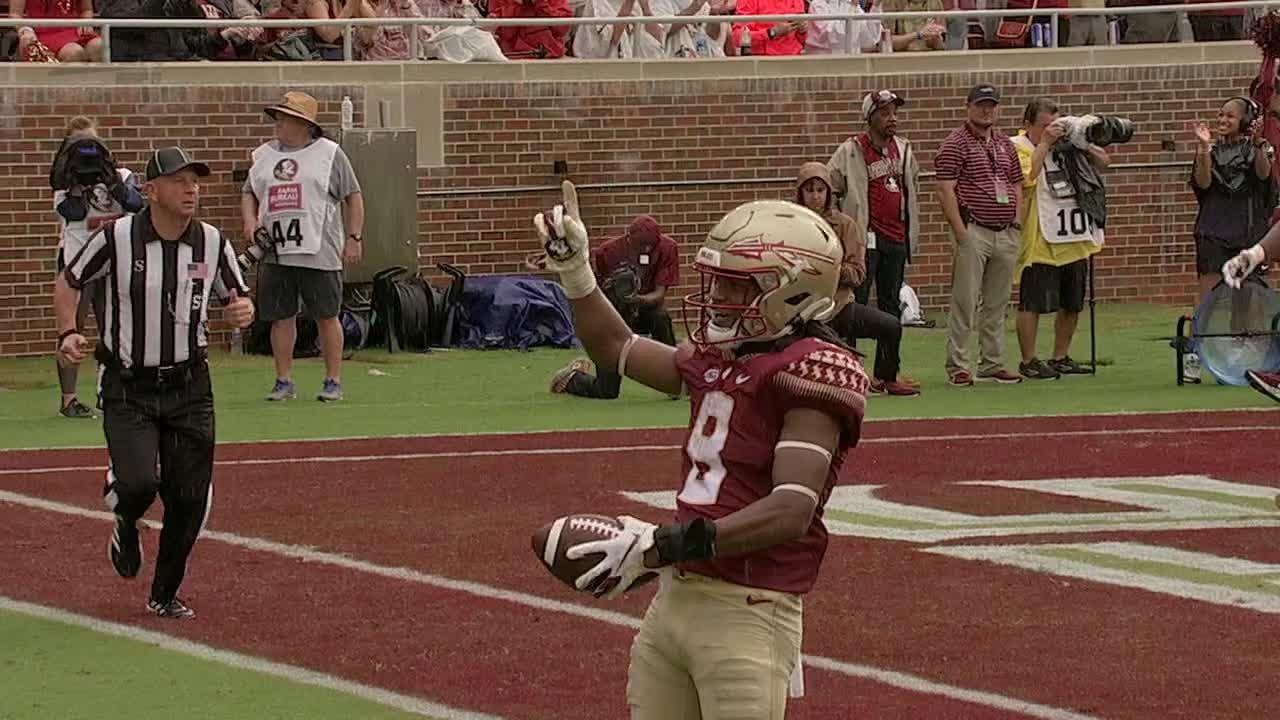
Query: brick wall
{"type": "Point", "coordinates": [683, 150]}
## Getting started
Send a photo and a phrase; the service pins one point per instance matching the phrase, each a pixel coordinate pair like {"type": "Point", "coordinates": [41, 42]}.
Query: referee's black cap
{"type": "Point", "coordinates": [169, 160]}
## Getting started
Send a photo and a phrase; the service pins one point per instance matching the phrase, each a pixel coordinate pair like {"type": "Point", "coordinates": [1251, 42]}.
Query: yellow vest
{"type": "Point", "coordinates": [1035, 249]}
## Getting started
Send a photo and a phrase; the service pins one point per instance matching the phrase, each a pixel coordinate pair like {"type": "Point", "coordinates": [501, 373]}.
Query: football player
{"type": "Point", "coordinates": [1234, 271]}
{"type": "Point", "coordinates": [776, 404]}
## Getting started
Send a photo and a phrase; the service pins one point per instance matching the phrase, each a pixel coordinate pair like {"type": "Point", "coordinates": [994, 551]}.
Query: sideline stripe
{"type": "Point", "coordinates": [891, 678]}
{"type": "Point", "coordinates": [655, 448]}
{"type": "Point", "coordinates": [941, 420]}
{"type": "Point", "coordinates": [246, 662]}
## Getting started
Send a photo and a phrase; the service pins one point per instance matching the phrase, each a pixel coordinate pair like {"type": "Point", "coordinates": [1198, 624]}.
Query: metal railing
{"type": "Point", "coordinates": [349, 25]}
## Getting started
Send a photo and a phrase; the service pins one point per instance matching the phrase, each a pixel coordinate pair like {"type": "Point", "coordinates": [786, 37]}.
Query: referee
{"type": "Point", "coordinates": [160, 268]}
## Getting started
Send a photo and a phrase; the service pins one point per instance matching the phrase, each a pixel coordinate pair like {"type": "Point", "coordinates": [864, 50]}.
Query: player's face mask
{"type": "Point", "coordinates": [728, 306]}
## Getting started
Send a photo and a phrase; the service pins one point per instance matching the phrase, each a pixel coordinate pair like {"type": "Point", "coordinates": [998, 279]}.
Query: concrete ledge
{"type": "Point", "coordinates": [331, 73]}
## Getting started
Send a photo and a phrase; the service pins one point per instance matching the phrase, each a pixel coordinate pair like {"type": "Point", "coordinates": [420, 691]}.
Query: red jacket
{"type": "Point", "coordinates": [517, 41]}
{"type": "Point", "coordinates": [790, 44]}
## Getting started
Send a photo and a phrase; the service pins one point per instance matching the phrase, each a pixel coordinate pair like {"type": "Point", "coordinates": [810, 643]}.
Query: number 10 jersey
{"type": "Point", "coordinates": [738, 408]}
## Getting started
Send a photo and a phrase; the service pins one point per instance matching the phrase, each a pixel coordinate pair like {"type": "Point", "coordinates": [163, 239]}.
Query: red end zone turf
{"type": "Point", "coordinates": [442, 510]}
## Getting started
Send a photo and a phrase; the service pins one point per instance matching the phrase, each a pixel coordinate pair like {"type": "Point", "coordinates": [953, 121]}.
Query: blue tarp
{"type": "Point", "coordinates": [514, 313]}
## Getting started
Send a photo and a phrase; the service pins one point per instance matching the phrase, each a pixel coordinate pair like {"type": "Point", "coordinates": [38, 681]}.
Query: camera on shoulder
{"type": "Point", "coordinates": [84, 162]}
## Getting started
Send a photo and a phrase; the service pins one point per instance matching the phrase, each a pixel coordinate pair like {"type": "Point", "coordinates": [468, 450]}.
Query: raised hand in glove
{"type": "Point", "coordinates": [565, 245]}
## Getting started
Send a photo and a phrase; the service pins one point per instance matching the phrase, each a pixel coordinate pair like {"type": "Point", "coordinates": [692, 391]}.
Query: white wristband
{"type": "Point", "coordinates": [578, 281]}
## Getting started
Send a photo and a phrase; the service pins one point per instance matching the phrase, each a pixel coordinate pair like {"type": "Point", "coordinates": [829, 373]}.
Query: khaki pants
{"type": "Point", "coordinates": [981, 285]}
{"type": "Point", "coordinates": [712, 650]}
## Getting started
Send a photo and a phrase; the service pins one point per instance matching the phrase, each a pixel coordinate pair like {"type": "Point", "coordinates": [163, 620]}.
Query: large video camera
{"type": "Point", "coordinates": [1100, 130]}
{"type": "Point", "coordinates": [84, 162]}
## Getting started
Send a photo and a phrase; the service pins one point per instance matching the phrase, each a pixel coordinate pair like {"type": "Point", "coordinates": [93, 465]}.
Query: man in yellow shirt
{"type": "Point", "coordinates": [1058, 238]}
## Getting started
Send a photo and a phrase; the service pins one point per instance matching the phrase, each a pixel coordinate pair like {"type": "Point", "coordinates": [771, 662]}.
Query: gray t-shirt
{"type": "Point", "coordinates": [342, 183]}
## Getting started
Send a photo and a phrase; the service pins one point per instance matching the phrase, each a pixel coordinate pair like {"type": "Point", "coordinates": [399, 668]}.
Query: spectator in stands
{"type": "Point", "coordinates": [780, 38]}
{"type": "Point", "coordinates": [56, 44]}
{"type": "Point", "coordinates": [980, 186]}
{"type": "Point", "coordinates": [391, 42]}
{"type": "Point", "coordinates": [1083, 30]}
{"type": "Point", "coordinates": [957, 34]}
{"type": "Point", "coordinates": [635, 271]}
{"type": "Point", "coordinates": [314, 43]}
{"type": "Point", "coordinates": [1030, 6]}
{"type": "Point", "coordinates": [917, 33]}
{"type": "Point", "coordinates": [618, 41]}
{"type": "Point", "coordinates": [527, 42]}
{"type": "Point", "coordinates": [706, 39]}
{"type": "Point", "coordinates": [828, 36]}
{"type": "Point", "coordinates": [877, 178]}
{"type": "Point", "coordinates": [1058, 238]}
{"type": "Point", "coordinates": [1148, 28]}
{"type": "Point", "coordinates": [1230, 178]}
{"type": "Point", "coordinates": [1219, 24]}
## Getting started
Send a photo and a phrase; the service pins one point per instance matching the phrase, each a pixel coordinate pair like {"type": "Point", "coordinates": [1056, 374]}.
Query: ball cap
{"type": "Point", "coordinates": [169, 160]}
{"type": "Point", "coordinates": [873, 101]}
{"type": "Point", "coordinates": [984, 93]}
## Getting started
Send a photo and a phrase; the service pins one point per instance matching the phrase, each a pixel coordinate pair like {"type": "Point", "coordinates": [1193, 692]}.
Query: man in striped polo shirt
{"type": "Point", "coordinates": [980, 184]}
{"type": "Point", "coordinates": [160, 268]}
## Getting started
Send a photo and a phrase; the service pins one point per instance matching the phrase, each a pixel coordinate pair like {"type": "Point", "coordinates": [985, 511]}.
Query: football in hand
{"type": "Point", "coordinates": [553, 540]}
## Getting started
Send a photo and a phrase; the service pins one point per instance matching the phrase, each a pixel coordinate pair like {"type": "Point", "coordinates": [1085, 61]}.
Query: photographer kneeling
{"type": "Point", "coordinates": [634, 272]}
{"type": "Point", "coordinates": [1061, 225]}
{"type": "Point", "coordinates": [89, 191]}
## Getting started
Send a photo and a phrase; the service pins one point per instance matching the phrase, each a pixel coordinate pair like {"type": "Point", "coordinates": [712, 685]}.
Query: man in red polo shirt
{"type": "Point", "coordinates": [980, 185]}
{"type": "Point", "coordinates": [634, 271]}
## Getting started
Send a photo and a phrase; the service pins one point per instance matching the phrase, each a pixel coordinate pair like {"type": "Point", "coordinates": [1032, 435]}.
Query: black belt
{"type": "Point", "coordinates": [993, 228]}
{"type": "Point", "coordinates": [162, 375]}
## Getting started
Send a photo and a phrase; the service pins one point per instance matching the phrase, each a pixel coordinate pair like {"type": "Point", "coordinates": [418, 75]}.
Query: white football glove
{"type": "Point", "coordinates": [623, 558]}
{"type": "Point", "coordinates": [1235, 270]}
{"type": "Point", "coordinates": [564, 240]}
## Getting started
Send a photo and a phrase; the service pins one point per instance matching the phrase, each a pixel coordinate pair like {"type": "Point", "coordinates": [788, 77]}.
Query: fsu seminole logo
{"type": "Point", "coordinates": [286, 169]}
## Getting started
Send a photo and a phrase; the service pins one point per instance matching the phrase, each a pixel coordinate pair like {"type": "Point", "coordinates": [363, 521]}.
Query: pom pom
{"type": "Point", "coordinates": [1266, 34]}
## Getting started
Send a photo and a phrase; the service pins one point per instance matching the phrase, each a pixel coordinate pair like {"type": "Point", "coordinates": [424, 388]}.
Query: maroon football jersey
{"type": "Point", "coordinates": [738, 407]}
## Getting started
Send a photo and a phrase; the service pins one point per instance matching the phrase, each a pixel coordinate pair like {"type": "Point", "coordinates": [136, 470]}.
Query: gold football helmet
{"type": "Point", "coordinates": [790, 254]}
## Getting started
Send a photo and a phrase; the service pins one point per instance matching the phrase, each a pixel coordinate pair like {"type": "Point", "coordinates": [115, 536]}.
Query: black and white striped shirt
{"type": "Point", "coordinates": [157, 290]}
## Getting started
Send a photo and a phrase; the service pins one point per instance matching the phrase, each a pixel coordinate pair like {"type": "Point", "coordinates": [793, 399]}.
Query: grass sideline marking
{"type": "Point", "coordinates": [900, 680]}
{"type": "Point", "coordinates": [940, 419]}
{"type": "Point", "coordinates": [245, 662]}
{"type": "Point", "coordinates": [609, 449]}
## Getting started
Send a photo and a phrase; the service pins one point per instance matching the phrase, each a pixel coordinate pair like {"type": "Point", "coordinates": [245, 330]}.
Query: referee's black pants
{"type": "Point", "coordinates": [165, 415]}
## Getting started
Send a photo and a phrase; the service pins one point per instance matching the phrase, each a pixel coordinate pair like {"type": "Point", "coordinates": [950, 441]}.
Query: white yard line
{"type": "Point", "coordinates": [533, 452]}
{"type": "Point", "coordinates": [246, 662]}
{"type": "Point", "coordinates": [904, 681]}
{"type": "Point", "coordinates": [647, 428]}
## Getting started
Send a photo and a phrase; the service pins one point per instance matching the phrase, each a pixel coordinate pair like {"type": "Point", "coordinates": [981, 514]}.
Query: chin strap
{"type": "Point", "coordinates": [693, 540]}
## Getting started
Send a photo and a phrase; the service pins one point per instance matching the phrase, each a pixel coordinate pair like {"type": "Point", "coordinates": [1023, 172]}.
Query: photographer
{"type": "Point", "coordinates": [634, 272]}
{"type": "Point", "coordinates": [1058, 237]}
{"type": "Point", "coordinates": [1230, 179]}
{"type": "Point", "coordinates": [88, 192]}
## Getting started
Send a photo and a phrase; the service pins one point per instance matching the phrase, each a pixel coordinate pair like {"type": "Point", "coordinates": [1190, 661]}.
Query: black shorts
{"type": "Point", "coordinates": [280, 287]}
{"type": "Point", "coordinates": [1212, 253]}
{"type": "Point", "coordinates": [1046, 289]}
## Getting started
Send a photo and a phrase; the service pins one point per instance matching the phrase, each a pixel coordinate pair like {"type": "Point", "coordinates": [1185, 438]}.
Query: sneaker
{"type": "Point", "coordinates": [906, 379]}
{"type": "Point", "coordinates": [560, 380]}
{"type": "Point", "coordinates": [1037, 369]}
{"type": "Point", "coordinates": [125, 548]}
{"type": "Point", "coordinates": [75, 409]}
{"type": "Point", "coordinates": [174, 609]}
{"type": "Point", "coordinates": [1002, 376]}
{"type": "Point", "coordinates": [331, 391]}
{"type": "Point", "coordinates": [1066, 366]}
{"type": "Point", "coordinates": [1267, 383]}
{"type": "Point", "coordinates": [283, 390]}
{"type": "Point", "coordinates": [896, 388]}
{"type": "Point", "coordinates": [960, 379]}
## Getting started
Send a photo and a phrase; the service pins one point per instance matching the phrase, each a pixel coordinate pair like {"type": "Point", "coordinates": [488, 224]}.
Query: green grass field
{"type": "Point", "coordinates": [501, 391]}
{"type": "Point", "coordinates": [52, 669]}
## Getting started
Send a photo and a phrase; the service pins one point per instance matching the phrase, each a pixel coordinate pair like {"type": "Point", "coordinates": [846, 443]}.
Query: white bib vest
{"type": "Point", "coordinates": [102, 208]}
{"type": "Point", "coordinates": [1061, 218]}
{"type": "Point", "coordinates": [293, 195]}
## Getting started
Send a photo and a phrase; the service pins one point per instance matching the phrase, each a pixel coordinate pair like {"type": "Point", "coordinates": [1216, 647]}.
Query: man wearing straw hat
{"type": "Point", "coordinates": [302, 193]}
